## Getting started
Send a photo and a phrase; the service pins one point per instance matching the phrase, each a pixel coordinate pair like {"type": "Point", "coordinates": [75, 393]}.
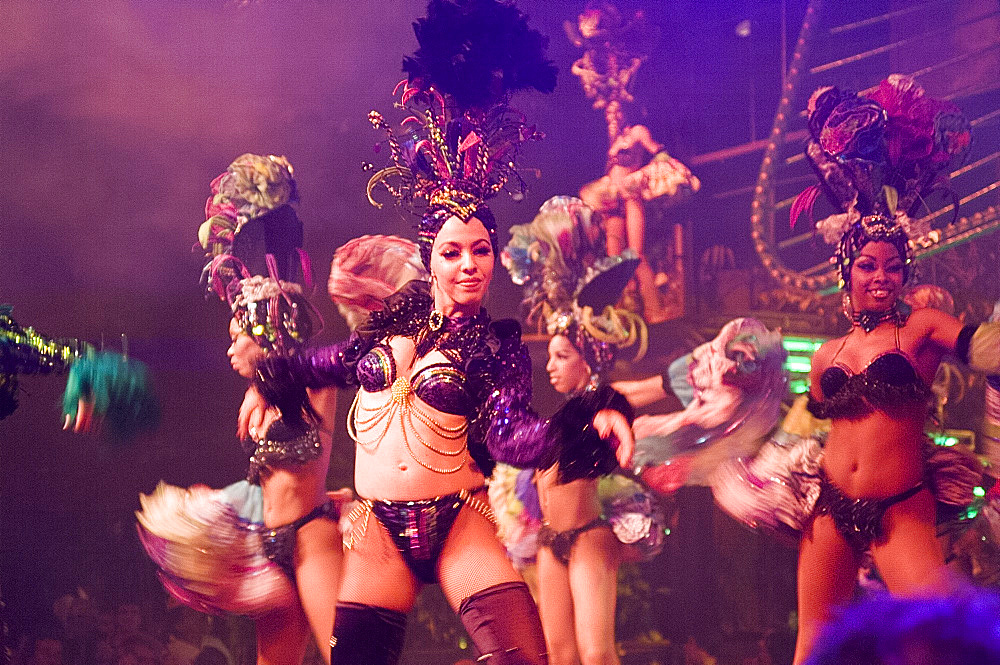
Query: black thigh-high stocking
{"type": "Point", "coordinates": [366, 635]}
{"type": "Point", "coordinates": [503, 622]}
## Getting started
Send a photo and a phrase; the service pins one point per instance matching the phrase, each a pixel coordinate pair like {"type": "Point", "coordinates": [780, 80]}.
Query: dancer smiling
{"type": "Point", "coordinates": [444, 391]}
{"type": "Point", "coordinates": [872, 487]}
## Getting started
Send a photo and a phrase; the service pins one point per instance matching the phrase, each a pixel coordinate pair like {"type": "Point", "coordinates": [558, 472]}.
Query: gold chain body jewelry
{"type": "Point", "coordinates": [480, 506]}
{"type": "Point", "coordinates": [401, 401]}
{"type": "Point", "coordinates": [362, 508]}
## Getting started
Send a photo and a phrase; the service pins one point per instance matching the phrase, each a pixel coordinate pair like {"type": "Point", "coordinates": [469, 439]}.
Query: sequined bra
{"type": "Point", "coordinates": [441, 386]}
{"type": "Point", "coordinates": [282, 446]}
{"type": "Point", "coordinates": [888, 382]}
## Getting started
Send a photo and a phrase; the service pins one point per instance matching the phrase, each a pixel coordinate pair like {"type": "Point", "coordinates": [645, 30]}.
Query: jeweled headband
{"type": "Point", "coordinates": [878, 155]}
{"type": "Point", "coordinates": [274, 313]}
{"type": "Point", "coordinates": [868, 229]}
{"type": "Point", "coordinates": [458, 147]}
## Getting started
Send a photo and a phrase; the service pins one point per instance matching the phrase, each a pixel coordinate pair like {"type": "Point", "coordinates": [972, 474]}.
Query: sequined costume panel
{"type": "Point", "coordinates": [440, 385]}
{"type": "Point", "coordinates": [279, 542]}
{"type": "Point", "coordinates": [859, 521]}
{"type": "Point", "coordinates": [560, 543]}
{"type": "Point", "coordinates": [282, 446]}
{"type": "Point", "coordinates": [505, 423]}
{"type": "Point", "coordinates": [443, 386]}
{"type": "Point", "coordinates": [487, 376]}
{"type": "Point", "coordinates": [888, 382]}
{"type": "Point", "coordinates": [419, 529]}
{"type": "Point", "coordinates": [377, 369]}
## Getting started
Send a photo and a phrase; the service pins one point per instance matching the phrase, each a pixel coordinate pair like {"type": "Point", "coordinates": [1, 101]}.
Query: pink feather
{"type": "Point", "coordinates": [804, 202]}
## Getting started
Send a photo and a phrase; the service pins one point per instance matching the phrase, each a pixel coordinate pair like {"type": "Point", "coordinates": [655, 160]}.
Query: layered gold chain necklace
{"type": "Point", "coordinates": [361, 420]}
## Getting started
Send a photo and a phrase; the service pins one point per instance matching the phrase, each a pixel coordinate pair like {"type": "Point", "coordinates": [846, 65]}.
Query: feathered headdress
{"type": "Point", "coordinates": [458, 147]}
{"type": "Point", "coordinates": [252, 240]}
{"type": "Point", "coordinates": [877, 157]}
{"type": "Point", "coordinates": [571, 286]}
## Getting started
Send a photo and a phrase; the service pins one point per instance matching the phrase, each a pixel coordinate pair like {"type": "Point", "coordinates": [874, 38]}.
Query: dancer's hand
{"type": "Point", "coordinates": [254, 418]}
{"type": "Point", "coordinates": [611, 425]}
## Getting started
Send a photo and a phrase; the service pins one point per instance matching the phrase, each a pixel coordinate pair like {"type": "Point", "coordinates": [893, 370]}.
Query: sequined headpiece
{"type": "Point", "coordinates": [877, 156]}
{"type": "Point", "coordinates": [571, 286]}
{"type": "Point", "coordinates": [274, 313]}
{"type": "Point", "coordinates": [252, 241]}
{"type": "Point", "coordinates": [459, 145]}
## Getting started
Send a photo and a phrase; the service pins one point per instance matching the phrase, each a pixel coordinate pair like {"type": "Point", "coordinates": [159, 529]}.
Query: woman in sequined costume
{"type": "Point", "coordinates": [302, 535]}
{"type": "Point", "coordinates": [639, 170]}
{"type": "Point", "coordinates": [627, 154]}
{"type": "Point", "coordinates": [874, 451]}
{"type": "Point", "coordinates": [443, 390]}
{"type": "Point", "coordinates": [288, 582]}
{"type": "Point", "coordinates": [578, 554]}
{"type": "Point", "coordinates": [567, 279]}
{"type": "Point", "coordinates": [875, 490]}
{"type": "Point", "coordinates": [269, 547]}
{"type": "Point", "coordinates": [443, 393]}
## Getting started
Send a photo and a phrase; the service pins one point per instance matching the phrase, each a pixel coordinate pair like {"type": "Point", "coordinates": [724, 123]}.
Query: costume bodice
{"type": "Point", "coordinates": [441, 385]}
{"type": "Point", "coordinates": [282, 445]}
{"type": "Point", "coordinates": [886, 383]}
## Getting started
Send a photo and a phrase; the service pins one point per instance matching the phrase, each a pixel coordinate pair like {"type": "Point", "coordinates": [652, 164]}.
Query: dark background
{"type": "Point", "coordinates": [116, 114]}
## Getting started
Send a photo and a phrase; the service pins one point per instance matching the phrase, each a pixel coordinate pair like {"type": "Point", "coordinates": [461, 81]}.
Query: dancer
{"type": "Point", "coordinates": [639, 170]}
{"type": "Point", "coordinates": [581, 543]}
{"type": "Point", "coordinates": [444, 391]}
{"type": "Point", "coordinates": [269, 547]}
{"type": "Point", "coordinates": [877, 157]}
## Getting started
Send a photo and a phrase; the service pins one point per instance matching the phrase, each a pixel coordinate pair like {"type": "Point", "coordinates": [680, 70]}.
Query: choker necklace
{"type": "Point", "coordinates": [869, 320]}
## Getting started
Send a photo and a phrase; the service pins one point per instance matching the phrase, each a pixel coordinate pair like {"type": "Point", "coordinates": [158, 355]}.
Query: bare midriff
{"type": "Point", "coordinates": [878, 455]}
{"type": "Point", "coordinates": [292, 491]}
{"type": "Point", "coordinates": [389, 470]}
{"type": "Point", "coordinates": [567, 506]}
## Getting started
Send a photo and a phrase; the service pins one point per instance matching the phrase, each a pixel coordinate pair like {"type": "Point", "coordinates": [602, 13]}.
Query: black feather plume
{"type": "Point", "coordinates": [478, 52]}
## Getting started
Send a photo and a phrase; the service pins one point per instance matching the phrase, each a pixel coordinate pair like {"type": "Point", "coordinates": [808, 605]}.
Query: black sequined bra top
{"type": "Point", "coordinates": [887, 383]}
{"type": "Point", "coordinates": [441, 386]}
{"type": "Point", "coordinates": [282, 446]}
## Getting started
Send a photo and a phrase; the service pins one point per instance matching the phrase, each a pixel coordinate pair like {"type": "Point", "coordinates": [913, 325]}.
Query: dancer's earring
{"type": "Point", "coordinates": [846, 306]}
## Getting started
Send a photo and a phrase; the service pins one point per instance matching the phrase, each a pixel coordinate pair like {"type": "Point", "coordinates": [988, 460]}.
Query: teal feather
{"type": "Point", "coordinates": [119, 389]}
